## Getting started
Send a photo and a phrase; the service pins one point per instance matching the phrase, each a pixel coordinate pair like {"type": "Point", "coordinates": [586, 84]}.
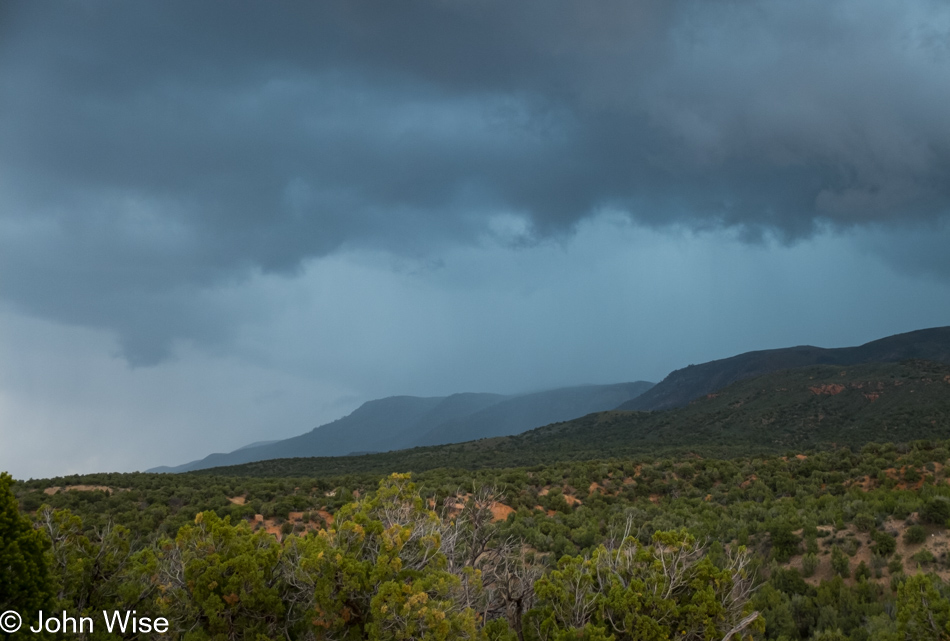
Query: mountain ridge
{"type": "Point", "coordinates": [813, 407]}
{"type": "Point", "coordinates": [468, 417]}
{"type": "Point", "coordinates": [684, 385]}
{"type": "Point", "coordinates": [399, 422]}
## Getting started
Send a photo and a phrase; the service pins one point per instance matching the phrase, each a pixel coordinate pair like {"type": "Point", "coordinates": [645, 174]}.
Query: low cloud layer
{"type": "Point", "coordinates": [151, 153]}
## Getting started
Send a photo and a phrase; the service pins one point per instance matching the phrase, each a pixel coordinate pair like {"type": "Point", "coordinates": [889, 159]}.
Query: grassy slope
{"type": "Point", "coordinates": [798, 409]}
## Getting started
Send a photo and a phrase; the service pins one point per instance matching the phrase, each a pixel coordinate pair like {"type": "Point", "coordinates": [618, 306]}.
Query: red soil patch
{"type": "Point", "coordinates": [452, 507]}
{"type": "Point", "coordinates": [893, 473]}
{"type": "Point", "coordinates": [79, 488]}
{"type": "Point", "coordinates": [238, 500]}
{"type": "Point", "coordinates": [830, 389]}
{"type": "Point", "coordinates": [500, 511]}
{"type": "Point", "coordinates": [540, 508]}
{"type": "Point", "coordinates": [569, 498]}
{"type": "Point", "coordinates": [749, 481]}
{"type": "Point", "coordinates": [865, 483]}
{"type": "Point", "coordinates": [800, 457]}
{"type": "Point", "coordinates": [319, 519]}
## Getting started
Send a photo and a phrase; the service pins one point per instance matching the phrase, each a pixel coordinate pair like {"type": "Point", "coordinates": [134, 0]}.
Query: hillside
{"type": "Point", "coordinates": [792, 410]}
{"type": "Point", "coordinates": [832, 545]}
{"type": "Point", "coordinates": [400, 422]}
{"type": "Point", "coordinates": [684, 385]}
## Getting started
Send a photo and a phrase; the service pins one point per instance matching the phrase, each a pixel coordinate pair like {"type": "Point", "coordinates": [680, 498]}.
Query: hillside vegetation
{"type": "Point", "coordinates": [687, 384]}
{"type": "Point", "coordinates": [836, 544]}
{"type": "Point", "coordinates": [810, 407]}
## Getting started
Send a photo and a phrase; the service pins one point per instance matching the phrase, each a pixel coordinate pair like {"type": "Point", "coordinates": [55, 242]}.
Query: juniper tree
{"type": "Point", "coordinates": [24, 577]}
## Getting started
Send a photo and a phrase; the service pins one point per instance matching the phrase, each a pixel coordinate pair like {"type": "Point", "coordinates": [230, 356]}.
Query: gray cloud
{"type": "Point", "coordinates": [153, 151]}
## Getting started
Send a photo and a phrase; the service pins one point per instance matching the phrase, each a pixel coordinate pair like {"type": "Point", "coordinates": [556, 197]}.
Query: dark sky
{"type": "Point", "coordinates": [228, 223]}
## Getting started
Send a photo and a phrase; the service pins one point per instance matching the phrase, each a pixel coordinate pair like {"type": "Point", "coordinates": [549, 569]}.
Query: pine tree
{"type": "Point", "coordinates": [24, 577]}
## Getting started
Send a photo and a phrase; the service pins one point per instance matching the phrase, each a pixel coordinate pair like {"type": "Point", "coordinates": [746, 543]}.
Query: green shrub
{"type": "Point", "coordinates": [923, 557]}
{"type": "Point", "coordinates": [896, 581]}
{"type": "Point", "coordinates": [895, 565]}
{"type": "Point", "coordinates": [915, 534]}
{"type": "Point", "coordinates": [862, 572]}
{"type": "Point", "coordinates": [878, 564]}
{"type": "Point", "coordinates": [840, 563]}
{"type": "Point", "coordinates": [784, 542]}
{"type": "Point", "coordinates": [850, 546]}
{"type": "Point", "coordinates": [935, 511]}
{"type": "Point", "coordinates": [884, 543]}
{"type": "Point", "coordinates": [809, 565]}
{"type": "Point", "coordinates": [864, 522]}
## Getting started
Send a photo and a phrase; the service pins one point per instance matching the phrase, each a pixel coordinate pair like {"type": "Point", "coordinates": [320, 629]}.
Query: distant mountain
{"type": "Point", "coordinates": [406, 421]}
{"type": "Point", "coordinates": [511, 415]}
{"type": "Point", "coordinates": [787, 411]}
{"type": "Point", "coordinates": [450, 410]}
{"type": "Point", "coordinates": [257, 444]}
{"type": "Point", "coordinates": [684, 385]}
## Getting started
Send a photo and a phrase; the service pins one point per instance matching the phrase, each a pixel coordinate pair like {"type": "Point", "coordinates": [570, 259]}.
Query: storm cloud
{"type": "Point", "coordinates": [152, 153]}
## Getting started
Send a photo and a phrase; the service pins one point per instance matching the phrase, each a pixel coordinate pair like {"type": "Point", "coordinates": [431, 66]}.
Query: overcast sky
{"type": "Point", "coordinates": [222, 224]}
